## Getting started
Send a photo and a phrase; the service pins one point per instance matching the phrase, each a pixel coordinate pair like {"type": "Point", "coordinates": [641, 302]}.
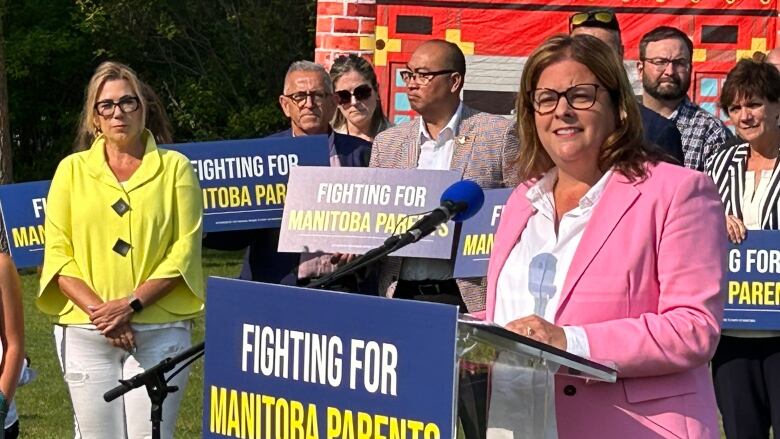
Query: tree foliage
{"type": "Point", "coordinates": [217, 64]}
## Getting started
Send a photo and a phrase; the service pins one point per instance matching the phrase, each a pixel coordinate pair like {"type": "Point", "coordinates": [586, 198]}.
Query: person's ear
{"type": "Point", "coordinates": [457, 82]}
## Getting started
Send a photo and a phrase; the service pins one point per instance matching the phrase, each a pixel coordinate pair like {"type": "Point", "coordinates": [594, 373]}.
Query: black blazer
{"type": "Point", "coordinates": [727, 169]}
{"type": "Point", "coordinates": [262, 263]}
{"type": "Point", "coordinates": [662, 132]}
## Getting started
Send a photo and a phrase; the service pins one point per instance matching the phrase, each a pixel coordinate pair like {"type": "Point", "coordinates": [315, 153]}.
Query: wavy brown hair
{"type": "Point", "coordinates": [750, 79]}
{"type": "Point", "coordinates": [624, 149]}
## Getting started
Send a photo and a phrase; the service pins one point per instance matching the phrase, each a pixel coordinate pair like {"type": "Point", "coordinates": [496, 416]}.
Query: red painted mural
{"type": "Point", "coordinates": [497, 36]}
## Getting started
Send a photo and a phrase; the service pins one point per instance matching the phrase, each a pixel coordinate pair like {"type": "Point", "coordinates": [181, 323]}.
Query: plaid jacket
{"type": "Point", "coordinates": [486, 156]}
{"type": "Point", "coordinates": [703, 134]}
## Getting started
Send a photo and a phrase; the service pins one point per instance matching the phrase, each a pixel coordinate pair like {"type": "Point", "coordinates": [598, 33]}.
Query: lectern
{"type": "Point", "coordinates": [505, 381]}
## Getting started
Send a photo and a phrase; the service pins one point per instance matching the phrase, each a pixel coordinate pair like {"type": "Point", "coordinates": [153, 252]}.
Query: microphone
{"type": "Point", "coordinates": [459, 202]}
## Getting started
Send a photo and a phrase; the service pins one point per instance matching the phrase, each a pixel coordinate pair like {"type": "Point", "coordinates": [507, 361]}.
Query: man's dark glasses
{"type": "Point", "coordinates": [361, 93]}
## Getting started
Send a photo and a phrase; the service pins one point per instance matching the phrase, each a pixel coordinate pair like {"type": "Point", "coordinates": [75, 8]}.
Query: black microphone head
{"type": "Point", "coordinates": [466, 197]}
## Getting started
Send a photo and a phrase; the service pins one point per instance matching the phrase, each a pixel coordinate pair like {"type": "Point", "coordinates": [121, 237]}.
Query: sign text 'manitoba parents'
{"type": "Point", "coordinates": [352, 210]}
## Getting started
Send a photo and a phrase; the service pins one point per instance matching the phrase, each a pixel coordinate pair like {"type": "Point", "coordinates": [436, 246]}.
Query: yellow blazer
{"type": "Point", "coordinates": [162, 226]}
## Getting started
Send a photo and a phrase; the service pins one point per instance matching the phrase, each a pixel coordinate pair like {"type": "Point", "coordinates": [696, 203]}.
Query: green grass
{"type": "Point", "coordinates": [44, 405]}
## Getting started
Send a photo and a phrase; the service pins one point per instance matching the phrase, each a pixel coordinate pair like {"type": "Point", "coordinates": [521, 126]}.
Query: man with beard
{"type": "Point", "coordinates": [308, 101]}
{"type": "Point", "coordinates": [603, 24]}
{"type": "Point", "coordinates": [665, 67]}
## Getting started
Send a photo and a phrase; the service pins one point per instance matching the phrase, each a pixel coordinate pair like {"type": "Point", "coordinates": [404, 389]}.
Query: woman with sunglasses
{"type": "Point", "coordinates": [360, 110]}
{"type": "Point", "coordinates": [122, 276]}
{"type": "Point", "coordinates": [608, 253]}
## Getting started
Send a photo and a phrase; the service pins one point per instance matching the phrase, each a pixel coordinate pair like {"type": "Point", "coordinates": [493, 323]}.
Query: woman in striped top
{"type": "Point", "coordinates": [746, 366]}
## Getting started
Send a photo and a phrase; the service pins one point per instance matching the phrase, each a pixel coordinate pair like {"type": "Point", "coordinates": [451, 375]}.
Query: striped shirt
{"type": "Point", "coordinates": [727, 169]}
{"type": "Point", "coordinates": [702, 133]}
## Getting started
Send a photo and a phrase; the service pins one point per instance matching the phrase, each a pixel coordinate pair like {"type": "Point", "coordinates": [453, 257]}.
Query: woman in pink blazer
{"type": "Point", "coordinates": [609, 253]}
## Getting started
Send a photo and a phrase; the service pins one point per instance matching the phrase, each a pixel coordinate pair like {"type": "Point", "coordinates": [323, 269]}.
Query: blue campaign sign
{"type": "Point", "coordinates": [753, 287]}
{"type": "Point", "coordinates": [244, 182]}
{"type": "Point", "coordinates": [476, 236]}
{"type": "Point", "coordinates": [293, 362]}
{"type": "Point", "coordinates": [244, 185]}
{"type": "Point", "coordinates": [23, 206]}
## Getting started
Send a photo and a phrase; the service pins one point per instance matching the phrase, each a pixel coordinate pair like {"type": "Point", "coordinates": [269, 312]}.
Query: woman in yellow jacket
{"type": "Point", "coordinates": [122, 275]}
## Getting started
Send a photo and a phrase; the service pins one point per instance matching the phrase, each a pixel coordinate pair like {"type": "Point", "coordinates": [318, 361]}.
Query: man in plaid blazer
{"type": "Point", "coordinates": [446, 135]}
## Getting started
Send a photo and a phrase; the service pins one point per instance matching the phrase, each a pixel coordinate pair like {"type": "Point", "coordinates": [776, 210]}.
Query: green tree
{"type": "Point", "coordinates": [218, 65]}
{"type": "Point", "coordinates": [6, 152]}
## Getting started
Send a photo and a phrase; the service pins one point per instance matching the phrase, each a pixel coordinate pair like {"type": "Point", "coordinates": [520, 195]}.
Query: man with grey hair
{"type": "Point", "coordinates": [308, 101]}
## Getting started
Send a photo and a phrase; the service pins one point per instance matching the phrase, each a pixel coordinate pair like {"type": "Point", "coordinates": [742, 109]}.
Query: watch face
{"type": "Point", "coordinates": [136, 305]}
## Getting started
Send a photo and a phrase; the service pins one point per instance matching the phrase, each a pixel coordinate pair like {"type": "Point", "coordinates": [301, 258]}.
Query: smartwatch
{"type": "Point", "coordinates": [135, 304]}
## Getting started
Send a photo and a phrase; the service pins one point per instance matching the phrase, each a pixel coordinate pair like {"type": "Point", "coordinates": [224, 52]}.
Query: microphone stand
{"type": "Point", "coordinates": [390, 245]}
{"type": "Point", "coordinates": [156, 385]}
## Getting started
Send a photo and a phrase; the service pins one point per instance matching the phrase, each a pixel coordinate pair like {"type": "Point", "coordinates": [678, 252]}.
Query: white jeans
{"type": "Point", "coordinates": [91, 366]}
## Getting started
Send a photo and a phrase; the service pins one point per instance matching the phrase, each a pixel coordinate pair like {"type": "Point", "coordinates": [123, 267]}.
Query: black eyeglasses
{"type": "Point", "coordinates": [579, 97]}
{"type": "Point", "coordinates": [126, 104]}
{"type": "Point", "coordinates": [317, 97]}
{"type": "Point", "coordinates": [422, 78]}
{"type": "Point", "coordinates": [661, 63]}
{"type": "Point", "coordinates": [601, 16]}
{"type": "Point", "coordinates": [361, 93]}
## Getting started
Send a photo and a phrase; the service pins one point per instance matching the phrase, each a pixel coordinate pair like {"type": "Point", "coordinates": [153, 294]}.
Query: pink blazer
{"type": "Point", "coordinates": [645, 284]}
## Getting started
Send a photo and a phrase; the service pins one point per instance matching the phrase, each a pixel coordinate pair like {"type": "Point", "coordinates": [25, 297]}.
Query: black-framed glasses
{"type": "Point", "coordinates": [579, 97]}
{"type": "Point", "coordinates": [677, 63]}
{"type": "Point", "coordinates": [126, 104]}
{"type": "Point", "coordinates": [361, 93]}
{"type": "Point", "coordinates": [422, 78]}
{"type": "Point", "coordinates": [600, 16]}
{"type": "Point", "coordinates": [300, 97]}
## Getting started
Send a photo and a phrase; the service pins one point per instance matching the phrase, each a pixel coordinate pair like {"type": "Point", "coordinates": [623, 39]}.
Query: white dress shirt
{"type": "Point", "coordinates": [434, 154]}
{"type": "Point", "coordinates": [531, 282]}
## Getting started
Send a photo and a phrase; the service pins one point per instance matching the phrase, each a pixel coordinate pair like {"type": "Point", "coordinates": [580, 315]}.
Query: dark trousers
{"type": "Point", "coordinates": [472, 386]}
{"type": "Point", "coordinates": [746, 372]}
{"type": "Point", "coordinates": [12, 432]}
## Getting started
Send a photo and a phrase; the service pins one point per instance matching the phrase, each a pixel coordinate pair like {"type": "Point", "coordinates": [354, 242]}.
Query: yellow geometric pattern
{"type": "Point", "coordinates": [381, 45]}
{"type": "Point", "coordinates": [699, 55]}
{"type": "Point", "coordinates": [453, 36]}
{"type": "Point", "coordinates": [756, 45]}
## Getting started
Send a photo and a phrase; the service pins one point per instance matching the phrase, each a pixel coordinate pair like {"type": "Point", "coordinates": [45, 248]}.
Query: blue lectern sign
{"type": "Point", "coordinates": [753, 287]}
{"type": "Point", "coordinates": [299, 363]}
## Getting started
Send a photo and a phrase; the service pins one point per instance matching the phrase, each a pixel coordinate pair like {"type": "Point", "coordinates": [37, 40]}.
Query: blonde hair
{"type": "Point", "coordinates": [88, 128]}
{"type": "Point", "coordinates": [625, 148]}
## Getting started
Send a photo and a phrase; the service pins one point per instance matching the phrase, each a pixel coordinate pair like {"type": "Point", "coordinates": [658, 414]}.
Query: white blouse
{"type": "Point", "coordinates": [530, 283]}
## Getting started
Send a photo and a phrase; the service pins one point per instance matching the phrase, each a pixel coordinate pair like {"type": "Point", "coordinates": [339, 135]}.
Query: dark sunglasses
{"type": "Point", "coordinates": [361, 93]}
{"type": "Point", "coordinates": [603, 16]}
